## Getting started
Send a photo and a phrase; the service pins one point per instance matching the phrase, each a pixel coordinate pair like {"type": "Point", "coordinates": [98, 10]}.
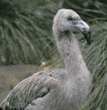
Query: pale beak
{"type": "Point", "coordinates": [84, 28]}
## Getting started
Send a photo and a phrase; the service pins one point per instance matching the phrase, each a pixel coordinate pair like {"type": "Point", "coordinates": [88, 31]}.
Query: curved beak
{"type": "Point", "coordinates": [87, 36]}
{"type": "Point", "coordinates": [84, 28]}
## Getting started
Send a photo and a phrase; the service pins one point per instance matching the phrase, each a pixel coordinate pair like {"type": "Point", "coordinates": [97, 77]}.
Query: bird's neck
{"type": "Point", "coordinates": [70, 52]}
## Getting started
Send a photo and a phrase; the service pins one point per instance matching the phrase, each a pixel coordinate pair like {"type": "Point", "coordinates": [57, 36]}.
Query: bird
{"type": "Point", "coordinates": [58, 88]}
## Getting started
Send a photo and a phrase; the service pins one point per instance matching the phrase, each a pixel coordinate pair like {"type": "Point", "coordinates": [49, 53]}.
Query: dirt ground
{"type": "Point", "coordinates": [12, 75]}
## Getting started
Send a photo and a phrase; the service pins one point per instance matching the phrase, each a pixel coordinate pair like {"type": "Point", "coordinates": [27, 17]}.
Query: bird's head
{"type": "Point", "coordinates": [67, 21]}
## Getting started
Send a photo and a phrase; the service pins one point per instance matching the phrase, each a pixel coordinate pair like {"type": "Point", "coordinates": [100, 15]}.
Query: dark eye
{"type": "Point", "coordinates": [67, 32]}
{"type": "Point", "coordinates": [69, 18]}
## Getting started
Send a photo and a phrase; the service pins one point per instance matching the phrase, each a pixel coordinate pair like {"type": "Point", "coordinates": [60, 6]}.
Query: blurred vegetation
{"type": "Point", "coordinates": [96, 59]}
{"type": "Point", "coordinates": [26, 38]}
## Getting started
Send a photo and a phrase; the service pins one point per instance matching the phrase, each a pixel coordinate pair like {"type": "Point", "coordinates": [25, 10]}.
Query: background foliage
{"type": "Point", "coordinates": [26, 38]}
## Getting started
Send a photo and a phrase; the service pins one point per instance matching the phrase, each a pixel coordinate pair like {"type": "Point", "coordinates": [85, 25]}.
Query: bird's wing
{"type": "Point", "coordinates": [34, 87]}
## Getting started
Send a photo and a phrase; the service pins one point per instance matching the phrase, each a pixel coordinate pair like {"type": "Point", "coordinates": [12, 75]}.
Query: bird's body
{"type": "Point", "coordinates": [56, 89]}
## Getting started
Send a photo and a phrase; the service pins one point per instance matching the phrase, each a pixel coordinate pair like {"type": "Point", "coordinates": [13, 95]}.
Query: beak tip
{"type": "Point", "coordinates": [88, 37]}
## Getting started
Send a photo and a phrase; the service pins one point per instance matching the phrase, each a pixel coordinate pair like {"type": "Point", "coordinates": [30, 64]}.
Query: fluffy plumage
{"type": "Point", "coordinates": [57, 89]}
